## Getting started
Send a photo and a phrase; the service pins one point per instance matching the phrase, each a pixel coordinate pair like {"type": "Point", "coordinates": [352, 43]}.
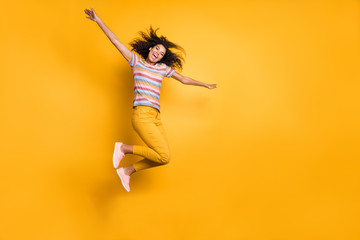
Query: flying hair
{"type": "Point", "coordinates": [150, 39]}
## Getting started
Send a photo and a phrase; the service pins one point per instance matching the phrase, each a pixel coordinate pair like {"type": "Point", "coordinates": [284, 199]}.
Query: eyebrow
{"type": "Point", "coordinates": [160, 51]}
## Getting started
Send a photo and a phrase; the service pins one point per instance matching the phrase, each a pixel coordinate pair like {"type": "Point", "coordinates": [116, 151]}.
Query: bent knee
{"type": "Point", "coordinates": [165, 158]}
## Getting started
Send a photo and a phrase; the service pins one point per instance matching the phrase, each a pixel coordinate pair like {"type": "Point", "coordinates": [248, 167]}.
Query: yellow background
{"type": "Point", "coordinates": [272, 154]}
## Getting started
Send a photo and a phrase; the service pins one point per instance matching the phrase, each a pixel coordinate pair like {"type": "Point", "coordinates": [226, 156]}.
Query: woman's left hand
{"type": "Point", "coordinates": [211, 86]}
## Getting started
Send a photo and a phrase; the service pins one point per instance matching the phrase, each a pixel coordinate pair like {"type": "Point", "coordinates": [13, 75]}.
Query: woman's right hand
{"type": "Point", "coordinates": [92, 14]}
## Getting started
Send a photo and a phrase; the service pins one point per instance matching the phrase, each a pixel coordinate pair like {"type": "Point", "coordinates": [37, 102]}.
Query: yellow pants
{"type": "Point", "coordinates": [147, 123]}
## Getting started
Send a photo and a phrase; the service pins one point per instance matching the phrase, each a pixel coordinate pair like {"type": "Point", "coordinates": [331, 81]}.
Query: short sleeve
{"type": "Point", "coordinates": [169, 72]}
{"type": "Point", "coordinates": [133, 60]}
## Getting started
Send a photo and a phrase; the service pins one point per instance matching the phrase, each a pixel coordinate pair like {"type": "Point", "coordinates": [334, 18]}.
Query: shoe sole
{"type": "Point", "coordinates": [114, 156]}
{"type": "Point", "coordinates": [122, 181]}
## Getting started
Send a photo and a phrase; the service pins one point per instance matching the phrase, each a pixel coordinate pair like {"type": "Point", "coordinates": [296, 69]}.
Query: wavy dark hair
{"type": "Point", "coordinates": [150, 39]}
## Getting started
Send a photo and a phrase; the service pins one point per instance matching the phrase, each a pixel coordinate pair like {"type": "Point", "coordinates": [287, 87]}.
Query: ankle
{"type": "Point", "coordinates": [126, 148]}
{"type": "Point", "coordinates": [129, 170]}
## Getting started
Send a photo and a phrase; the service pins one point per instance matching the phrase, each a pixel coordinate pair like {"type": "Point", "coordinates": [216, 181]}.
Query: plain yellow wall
{"type": "Point", "coordinates": [272, 154]}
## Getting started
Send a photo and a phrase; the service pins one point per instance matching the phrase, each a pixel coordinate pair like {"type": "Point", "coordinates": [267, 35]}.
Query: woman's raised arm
{"type": "Point", "coordinates": [119, 45]}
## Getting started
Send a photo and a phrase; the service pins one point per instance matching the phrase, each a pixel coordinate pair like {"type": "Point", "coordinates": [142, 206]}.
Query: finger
{"type": "Point", "coordinates": [93, 11]}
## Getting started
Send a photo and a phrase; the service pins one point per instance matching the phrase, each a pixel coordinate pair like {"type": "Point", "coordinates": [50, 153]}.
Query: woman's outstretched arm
{"type": "Point", "coordinates": [119, 45]}
{"type": "Point", "coordinates": [190, 81]}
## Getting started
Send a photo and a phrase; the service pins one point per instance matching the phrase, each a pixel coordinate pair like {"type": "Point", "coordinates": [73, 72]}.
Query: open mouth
{"type": "Point", "coordinates": [154, 56]}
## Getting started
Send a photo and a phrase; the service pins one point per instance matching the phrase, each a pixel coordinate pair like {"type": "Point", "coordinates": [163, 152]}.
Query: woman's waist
{"type": "Point", "coordinates": [145, 108]}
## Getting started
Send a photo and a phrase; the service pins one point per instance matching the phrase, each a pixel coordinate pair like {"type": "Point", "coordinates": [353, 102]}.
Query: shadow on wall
{"type": "Point", "coordinates": [107, 191]}
{"type": "Point", "coordinates": [100, 182]}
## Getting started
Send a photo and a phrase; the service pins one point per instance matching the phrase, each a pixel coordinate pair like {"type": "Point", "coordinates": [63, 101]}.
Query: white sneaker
{"type": "Point", "coordinates": [118, 155]}
{"type": "Point", "coordinates": [125, 179]}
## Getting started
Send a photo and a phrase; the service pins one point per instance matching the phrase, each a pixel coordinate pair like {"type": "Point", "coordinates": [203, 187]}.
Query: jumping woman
{"type": "Point", "coordinates": [151, 59]}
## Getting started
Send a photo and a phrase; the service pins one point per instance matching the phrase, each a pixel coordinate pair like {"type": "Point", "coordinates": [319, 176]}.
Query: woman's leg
{"type": "Point", "coordinates": [147, 123]}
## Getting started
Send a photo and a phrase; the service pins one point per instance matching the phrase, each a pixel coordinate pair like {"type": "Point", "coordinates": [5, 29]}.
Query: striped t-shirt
{"type": "Point", "coordinates": [148, 79]}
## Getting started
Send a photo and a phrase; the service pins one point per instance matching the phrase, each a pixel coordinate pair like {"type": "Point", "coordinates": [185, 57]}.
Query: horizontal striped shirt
{"type": "Point", "coordinates": [147, 81]}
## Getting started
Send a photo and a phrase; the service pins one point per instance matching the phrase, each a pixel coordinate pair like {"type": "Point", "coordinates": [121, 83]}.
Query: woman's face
{"type": "Point", "coordinates": [156, 53]}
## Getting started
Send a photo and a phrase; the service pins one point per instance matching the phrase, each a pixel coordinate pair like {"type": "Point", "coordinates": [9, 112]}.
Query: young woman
{"type": "Point", "coordinates": [151, 59]}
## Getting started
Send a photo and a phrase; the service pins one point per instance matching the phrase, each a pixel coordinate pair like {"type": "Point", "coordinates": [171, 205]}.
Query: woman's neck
{"type": "Point", "coordinates": [148, 61]}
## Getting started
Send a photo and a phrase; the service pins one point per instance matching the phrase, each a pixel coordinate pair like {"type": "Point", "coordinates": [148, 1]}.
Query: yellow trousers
{"type": "Point", "coordinates": [147, 123]}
